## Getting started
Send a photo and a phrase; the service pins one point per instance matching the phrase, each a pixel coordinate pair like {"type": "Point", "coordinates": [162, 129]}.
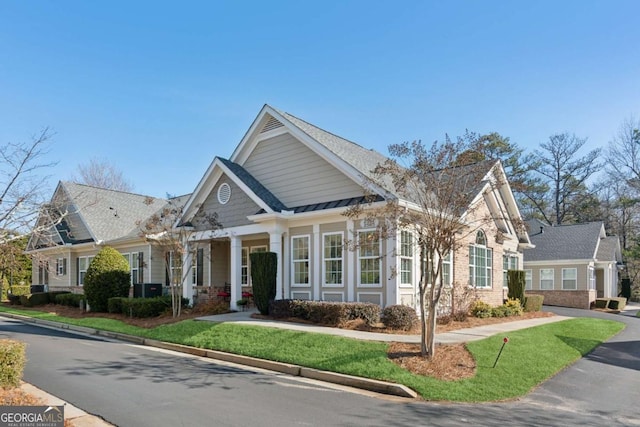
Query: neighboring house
{"type": "Point", "coordinates": [284, 189]}
{"type": "Point", "coordinates": [90, 218]}
{"type": "Point", "coordinates": [572, 265]}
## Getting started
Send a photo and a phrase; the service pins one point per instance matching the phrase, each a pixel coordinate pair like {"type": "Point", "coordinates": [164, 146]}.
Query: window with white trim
{"type": "Point", "coordinates": [61, 266]}
{"type": "Point", "coordinates": [300, 260]}
{"type": "Point", "coordinates": [332, 253]}
{"type": "Point", "coordinates": [83, 266]}
{"type": "Point", "coordinates": [509, 262]}
{"type": "Point", "coordinates": [406, 257]}
{"type": "Point", "coordinates": [569, 279]}
{"type": "Point", "coordinates": [175, 268]}
{"type": "Point", "coordinates": [447, 263]}
{"type": "Point", "coordinates": [528, 279]}
{"type": "Point", "coordinates": [244, 266]}
{"type": "Point", "coordinates": [592, 277]}
{"type": "Point", "coordinates": [480, 262]}
{"type": "Point", "coordinates": [369, 258]}
{"type": "Point", "coordinates": [546, 279]}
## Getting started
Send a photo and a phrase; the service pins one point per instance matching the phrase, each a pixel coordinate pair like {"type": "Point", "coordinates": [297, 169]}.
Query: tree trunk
{"type": "Point", "coordinates": [423, 303]}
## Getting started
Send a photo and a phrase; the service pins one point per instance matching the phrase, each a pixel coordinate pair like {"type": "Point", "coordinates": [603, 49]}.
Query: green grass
{"type": "Point", "coordinates": [530, 357]}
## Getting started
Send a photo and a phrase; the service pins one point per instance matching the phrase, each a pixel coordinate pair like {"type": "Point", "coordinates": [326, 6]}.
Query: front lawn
{"type": "Point", "coordinates": [530, 357]}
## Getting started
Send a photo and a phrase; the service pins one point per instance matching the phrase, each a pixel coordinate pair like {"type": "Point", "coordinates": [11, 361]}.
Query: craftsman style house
{"type": "Point", "coordinates": [285, 189]}
{"type": "Point", "coordinates": [572, 265]}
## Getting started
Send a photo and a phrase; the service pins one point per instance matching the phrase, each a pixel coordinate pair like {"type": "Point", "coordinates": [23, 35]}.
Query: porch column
{"type": "Point", "coordinates": [351, 267]}
{"type": "Point", "coordinates": [316, 268]}
{"type": "Point", "coordinates": [391, 272]}
{"type": "Point", "coordinates": [275, 245]}
{"type": "Point", "coordinates": [235, 271]}
{"type": "Point", "coordinates": [187, 284]}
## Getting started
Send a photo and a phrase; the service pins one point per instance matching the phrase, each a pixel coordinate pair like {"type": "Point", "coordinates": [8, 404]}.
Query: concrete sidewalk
{"type": "Point", "coordinates": [458, 336]}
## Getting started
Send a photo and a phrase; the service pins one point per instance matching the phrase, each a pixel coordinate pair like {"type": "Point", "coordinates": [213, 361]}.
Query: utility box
{"type": "Point", "coordinates": [147, 290]}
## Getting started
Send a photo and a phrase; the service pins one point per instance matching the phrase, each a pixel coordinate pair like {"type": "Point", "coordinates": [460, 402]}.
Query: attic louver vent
{"type": "Point", "coordinates": [224, 193]}
{"type": "Point", "coordinates": [271, 124]}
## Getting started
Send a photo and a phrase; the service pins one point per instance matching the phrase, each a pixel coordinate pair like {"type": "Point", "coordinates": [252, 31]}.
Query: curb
{"type": "Point", "coordinates": [285, 368]}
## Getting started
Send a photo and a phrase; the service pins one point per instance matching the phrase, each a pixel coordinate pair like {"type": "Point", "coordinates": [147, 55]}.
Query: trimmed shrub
{"type": "Point", "coordinates": [114, 305]}
{"type": "Point", "coordinates": [366, 311]}
{"type": "Point", "coordinates": [12, 361]}
{"type": "Point", "coordinates": [33, 300]}
{"type": "Point", "coordinates": [71, 300]}
{"type": "Point", "coordinates": [499, 311]}
{"type": "Point", "coordinates": [480, 309]}
{"type": "Point", "coordinates": [264, 270]}
{"type": "Point", "coordinates": [328, 313]}
{"type": "Point", "coordinates": [16, 290]}
{"type": "Point", "coordinates": [533, 303]}
{"type": "Point", "coordinates": [14, 299]}
{"type": "Point", "coordinates": [148, 307]}
{"type": "Point", "coordinates": [399, 317]}
{"type": "Point", "coordinates": [513, 307]}
{"type": "Point", "coordinates": [53, 294]}
{"type": "Point", "coordinates": [281, 308]}
{"type": "Point", "coordinates": [108, 276]}
{"type": "Point", "coordinates": [516, 281]}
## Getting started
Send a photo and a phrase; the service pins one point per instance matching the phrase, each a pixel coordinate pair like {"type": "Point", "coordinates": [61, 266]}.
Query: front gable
{"type": "Point", "coordinates": [296, 175]}
{"type": "Point", "coordinates": [237, 207]}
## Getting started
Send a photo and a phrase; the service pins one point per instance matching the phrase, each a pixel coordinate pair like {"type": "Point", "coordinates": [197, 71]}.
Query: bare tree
{"type": "Point", "coordinates": [623, 153]}
{"type": "Point", "coordinates": [164, 231]}
{"type": "Point", "coordinates": [21, 185]}
{"type": "Point", "coordinates": [431, 195]}
{"type": "Point", "coordinates": [565, 175]}
{"type": "Point", "coordinates": [103, 174]}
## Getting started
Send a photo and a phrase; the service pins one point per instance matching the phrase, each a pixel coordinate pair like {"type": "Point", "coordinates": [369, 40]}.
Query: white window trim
{"type": "Point", "coordinates": [488, 267]}
{"type": "Point", "coordinates": [575, 288]}
{"type": "Point", "coordinates": [553, 281]}
{"type": "Point", "coordinates": [89, 258]}
{"type": "Point", "coordinates": [371, 293]}
{"type": "Point", "coordinates": [296, 291]}
{"type": "Point", "coordinates": [449, 283]}
{"type": "Point", "coordinates": [61, 266]}
{"type": "Point", "coordinates": [324, 262]}
{"type": "Point", "coordinates": [592, 277]}
{"type": "Point", "coordinates": [410, 258]}
{"type": "Point", "coordinates": [293, 262]}
{"type": "Point", "coordinates": [528, 279]}
{"type": "Point", "coordinates": [244, 253]}
{"type": "Point", "coordinates": [359, 269]}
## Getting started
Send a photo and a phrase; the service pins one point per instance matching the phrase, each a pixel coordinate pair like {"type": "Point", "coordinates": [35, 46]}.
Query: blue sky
{"type": "Point", "coordinates": [160, 88]}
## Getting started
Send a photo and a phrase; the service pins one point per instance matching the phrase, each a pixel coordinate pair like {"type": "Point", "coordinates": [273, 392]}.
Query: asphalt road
{"type": "Point", "coordinates": [130, 385]}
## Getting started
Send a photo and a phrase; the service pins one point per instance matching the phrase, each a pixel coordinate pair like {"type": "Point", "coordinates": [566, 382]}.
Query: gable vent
{"type": "Point", "coordinates": [224, 193]}
{"type": "Point", "coordinates": [271, 124]}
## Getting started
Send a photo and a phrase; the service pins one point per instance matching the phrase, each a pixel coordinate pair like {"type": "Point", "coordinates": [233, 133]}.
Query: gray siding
{"type": "Point", "coordinates": [220, 263]}
{"type": "Point", "coordinates": [296, 175]}
{"type": "Point", "coordinates": [235, 212]}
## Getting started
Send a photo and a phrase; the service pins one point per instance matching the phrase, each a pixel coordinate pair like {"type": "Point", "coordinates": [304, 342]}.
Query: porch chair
{"type": "Point", "coordinates": [225, 293]}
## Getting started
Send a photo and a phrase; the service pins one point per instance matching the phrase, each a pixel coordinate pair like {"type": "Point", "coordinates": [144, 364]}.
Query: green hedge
{"type": "Point", "coordinates": [144, 307]}
{"type": "Point", "coordinates": [533, 302]}
{"type": "Point", "coordinates": [71, 300]}
{"type": "Point", "coordinates": [12, 361]}
{"type": "Point", "coordinates": [325, 313]}
{"type": "Point", "coordinates": [33, 300]}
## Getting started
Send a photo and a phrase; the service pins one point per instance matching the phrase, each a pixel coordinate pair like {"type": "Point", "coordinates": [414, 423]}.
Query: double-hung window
{"type": "Point", "coordinates": [546, 279]}
{"type": "Point", "coordinates": [61, 266]}
{"type": "Point", "coordinates": [333, 259]}
{"type": "Point", "coordinates": [447, 262]}
{"type": "Point", "coordinates": [244, 266]}
{"type": "Point", "coordinates": [569, 279]}
{"type": "Point", "coordinates": [300, 260]}
{"type": "Point", "coordinates": [369, 258]}
{"type": "Point", "coordinates": [83, 266]}
{"type": "Point", "coordinates": [174, 263]}
{"type": "Point", "coordinates": [509, 262]}
{"type": "Point", "coordinates": [528, 279]}
{"type": "Point", "coordinates": [480, 262]}
{"type": "Point", "coordinates": [406, 258]}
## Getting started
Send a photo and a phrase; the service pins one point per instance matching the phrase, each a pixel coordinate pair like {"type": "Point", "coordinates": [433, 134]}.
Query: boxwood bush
{"type": "Point", "coordinates": [324, 312]}
{"type": "Point", "coordinates": [72, 300]}
{"type": "Point", "coordinates": [399, 317]}
{"type": "Point", "coordinates": [33, 300]}
{"type": "Point", "coordinates": [12, 361]}
{"type": "Point", "coordinates": [108, 276]}
{"type": "Point", "coordinates": [533, 302]}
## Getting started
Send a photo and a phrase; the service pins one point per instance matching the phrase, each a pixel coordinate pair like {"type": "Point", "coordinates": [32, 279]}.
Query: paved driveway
{"type": "Point", "coordinates": [605, 383]}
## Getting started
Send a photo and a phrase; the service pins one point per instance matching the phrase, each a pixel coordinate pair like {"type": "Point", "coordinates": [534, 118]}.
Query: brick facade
{"type": "Point", "coordinates": [573, 299]}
